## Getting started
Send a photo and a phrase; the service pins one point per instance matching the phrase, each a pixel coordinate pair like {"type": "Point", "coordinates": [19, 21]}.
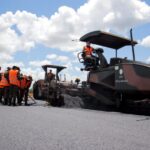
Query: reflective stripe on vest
{"type": "Point", "coordinates": [13, 78]}
{"type": "Point", "coordinates": [4, 81]}
{"type": "Point", "coordinates": [88, 50]}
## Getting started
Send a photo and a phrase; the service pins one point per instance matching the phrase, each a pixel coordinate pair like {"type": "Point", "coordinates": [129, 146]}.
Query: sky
{"type": "Point", "coordinates": [38, 32]}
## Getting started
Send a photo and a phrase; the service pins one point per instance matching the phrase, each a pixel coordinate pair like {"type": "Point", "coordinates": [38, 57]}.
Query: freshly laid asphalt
{"type": "Point", "coordinates": [47, 128]}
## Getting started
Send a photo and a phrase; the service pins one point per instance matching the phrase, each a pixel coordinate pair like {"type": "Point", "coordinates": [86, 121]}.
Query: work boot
{"type": "Point", "coordinates": [9, 104]}
{"type": "Point", "coordinates": [14, 104]}
{"type": "Point", "coordinates": [5, 101]}
{"type": "Point", "coordinates": [26, 104]}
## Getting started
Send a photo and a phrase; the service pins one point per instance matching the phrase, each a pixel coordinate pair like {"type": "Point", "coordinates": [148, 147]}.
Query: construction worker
{"type": "Point", "coordinates": [87, 50]}
{"type": "Point", "coordinates": [27, 86]}
{"type": "Point", "coordinates": [50, 76]}
{"type": "Point", "coordinates": [1, 89]}
{"type": "Point", "coordinates": [89, 59]}
{"type": "Point", "coordinates": [14, 77]}
{"type": "Point", "coordinates": [23, 82]}
{"type": "Point", "coordinates": [5, 84]}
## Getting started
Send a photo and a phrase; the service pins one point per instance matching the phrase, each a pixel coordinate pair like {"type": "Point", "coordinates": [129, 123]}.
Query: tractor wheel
{"type": "Point", "coordinates": [61, 101]}
{"type": "Point", "coordinates": [35, 90]}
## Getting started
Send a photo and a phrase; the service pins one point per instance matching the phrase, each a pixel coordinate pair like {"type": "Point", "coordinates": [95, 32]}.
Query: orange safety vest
{"type": "Point", "coordinates": [28, 84]}
{"type": "Point", "coordinates": [23, 82]}
{"type": "Point", "coordinates": [4, 82]}
{"type": "Point", "coordinates": [13, 78]}
{"type": "Point", "coordinates": [1, 87]}
{"type": "Point", "coordinates": [88, 50]}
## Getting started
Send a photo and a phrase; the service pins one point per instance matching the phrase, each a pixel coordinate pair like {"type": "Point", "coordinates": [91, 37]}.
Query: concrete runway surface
{"type": "Point", "coordinates": [47, 128]}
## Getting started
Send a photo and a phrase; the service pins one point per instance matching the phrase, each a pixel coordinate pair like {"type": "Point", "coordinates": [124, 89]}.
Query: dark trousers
{"type": "Point", "coordinates": [1, 94]}
{"type": "Point", "coordinates": [6, 94]}
{"type": "Point", "coordinates": [26, 95]}
{"type": "Point", "coordinates": [14, 94]}
{"type": "Point", "coordinates": [21, 96]}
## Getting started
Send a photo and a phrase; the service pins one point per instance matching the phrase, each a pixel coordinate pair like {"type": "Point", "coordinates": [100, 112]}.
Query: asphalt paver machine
{"type": "Point", "coordinates": [120, 81]}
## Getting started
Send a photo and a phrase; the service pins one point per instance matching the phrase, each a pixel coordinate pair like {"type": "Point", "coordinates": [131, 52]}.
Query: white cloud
{"type": "Point", "coordinates": [5, 57]}
{"type": "Point", "coordinates": [39, 63]}
{"type": "Point", "coordinates": [36, 73]}
{"type": "Point", "coordinates": [146, 42]}
{"type": "Point", "coordinates": [61, 59]}
{"type": "Point", "coordinates": [148, 60]}
{"type": "Point", "coordinates": [67, 24]}
{"type": "Point", "coordinates": [22, 30]}
{"type": "Point", "coordinates": [77, 68]}
{"type": "Point", "coordinates": [12, 63]}
{"type": "Point", "coordinates": [51, 56]}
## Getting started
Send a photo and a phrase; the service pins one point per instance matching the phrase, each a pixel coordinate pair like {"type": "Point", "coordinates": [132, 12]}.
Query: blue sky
{"type": "Point", "coordinates": [72, 21]}
{"type": "Point", "coordinates": [40, 7]}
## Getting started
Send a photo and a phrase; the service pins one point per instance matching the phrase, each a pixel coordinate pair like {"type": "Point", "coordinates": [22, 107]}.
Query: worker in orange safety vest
{"type": "Point", "coordinates": [1, 89]}
{"type": "Point", "coordinates": [88, 57]}
{"type": "Point", "coordinates": [27, 86]}
{"type": "Point", "coordinates": [14, 80]}
{"type": "Point", "coordinates": [87, 50]}
{"type": "Point", "coordinates": [5, 84]}
{"type": "Point", "coordinates": [23, 82]}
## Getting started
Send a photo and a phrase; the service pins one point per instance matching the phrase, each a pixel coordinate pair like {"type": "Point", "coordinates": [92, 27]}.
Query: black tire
{"type": "Point", "coordinates": [36, 91]}
{"type": "Point", "coordinates": [61, 101]}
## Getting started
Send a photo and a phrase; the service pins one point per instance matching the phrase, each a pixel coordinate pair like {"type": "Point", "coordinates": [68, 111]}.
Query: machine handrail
{"type": "Point", "coordinates": [80, 58]}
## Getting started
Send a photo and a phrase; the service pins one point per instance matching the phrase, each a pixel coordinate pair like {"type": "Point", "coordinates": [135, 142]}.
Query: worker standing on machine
{"type": "Point", "coordinates": [87, 55]}
{"type": "Point", "coordinates": [27, 86]}
{"type": "Point", "coordinates": [87, 50]}
{"type": "Point", "coordinates": [14, 77]}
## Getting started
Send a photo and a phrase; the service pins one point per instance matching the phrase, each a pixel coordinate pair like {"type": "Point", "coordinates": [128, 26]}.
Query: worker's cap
{"type": "Point", "coordinates": [14, 67]}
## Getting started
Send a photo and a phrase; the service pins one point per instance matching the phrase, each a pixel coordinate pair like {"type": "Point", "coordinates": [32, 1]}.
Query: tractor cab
{"type": "Point", "coordinates": [49, 75]}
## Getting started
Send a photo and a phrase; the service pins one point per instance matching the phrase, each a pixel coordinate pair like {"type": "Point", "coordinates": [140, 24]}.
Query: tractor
{"type": "Point", "coordinates": [49, 89]}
